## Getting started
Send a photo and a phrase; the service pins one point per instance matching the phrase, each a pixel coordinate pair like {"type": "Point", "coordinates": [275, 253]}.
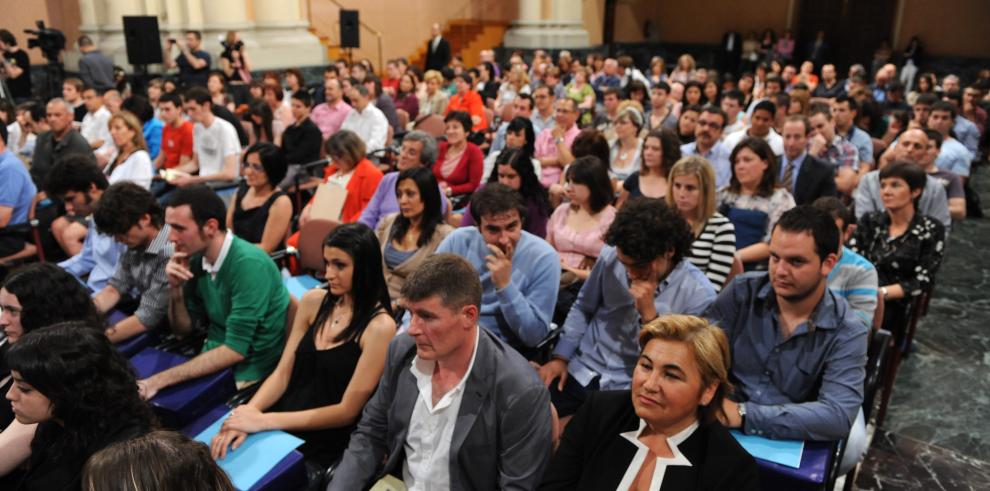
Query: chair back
{"type": "Point", "coordinates": [403, 118]}
{"type": "Point", "coordinates": [311, 237]}
{"type": "Point", "coordinates": [878, 313]}
{"type": "Point", "coordinates": [432, 125]}
{"type": "Point", "coordinates": [737, 268]}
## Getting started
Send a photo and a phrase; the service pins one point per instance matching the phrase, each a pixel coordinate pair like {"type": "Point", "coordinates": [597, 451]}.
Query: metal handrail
{"type": "Point", "coordinates": [372, 30]}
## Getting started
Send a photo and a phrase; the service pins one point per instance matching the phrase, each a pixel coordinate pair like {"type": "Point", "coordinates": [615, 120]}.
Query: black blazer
{"type": "Point", "coordinates": [439, 58]}
{"type": "Point", "coordinates": [816, 179]}
{"type": "Point", "coordinates": [594, 456]}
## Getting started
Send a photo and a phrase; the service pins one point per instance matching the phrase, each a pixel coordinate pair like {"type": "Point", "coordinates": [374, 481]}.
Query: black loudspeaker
{"type": "Point", "coordinates": [144, 44]}
{"type": "Point", "coordinates": [350, 29]}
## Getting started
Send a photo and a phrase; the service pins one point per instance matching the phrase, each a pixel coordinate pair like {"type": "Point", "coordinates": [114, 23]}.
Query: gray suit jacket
{"type": "Point", "coordinates": [502, 436]}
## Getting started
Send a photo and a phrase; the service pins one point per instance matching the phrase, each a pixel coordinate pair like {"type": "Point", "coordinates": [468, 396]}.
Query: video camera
{"type": "Point", "coordinates": [50, 41]}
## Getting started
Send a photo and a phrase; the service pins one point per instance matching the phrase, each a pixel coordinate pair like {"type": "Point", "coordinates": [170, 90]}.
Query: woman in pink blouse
{"type": "Point", "coordinates": [576, 228]}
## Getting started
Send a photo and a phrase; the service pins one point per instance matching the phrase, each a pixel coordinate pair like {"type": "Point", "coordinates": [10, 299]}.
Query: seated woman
{"type": "Point", "coordinates": [459, 162]}
{"type": "Point", "coordinates": [261, 212]}
{"type": "Point", "coordinates": [81, 393]}
{"type": "Point", "coordinates": [664, 434]}
{"type": "Point", "coordinates": [518, 134]}
{"type": "Point", "coordinates": [163, 460]}
{"type": "Point", "coordinates": [410, 236]}
{"type": "Point", "coordinates": [661, 150]}
{"type": "Point", "coordinates": [905, 246]}
{"type": "Point", "coordinates": [692, 193]}
{"type": "Point", "coordinates": [350, 169]}
{"type": "Point", "coordinates": [753, 201]}
{"type": "Point", "coordinates": [132, 162]}
{"type": "Point", "coordinates": [405, 97]}
{"type": "Point", "coordinates": [433, 100]}
{"type": "Point", "coordinates": [576, 229]}
{"type": "Point", "coordinates": [35, 296]}
{"type": "Point", "coordinates": [332, 359]}
{"type": "Point", "coordinates": [628, 146]}
{"type": "Point", "coordinates": [514, 168]}
{"type": "Point", "coordinates": [264, 127]}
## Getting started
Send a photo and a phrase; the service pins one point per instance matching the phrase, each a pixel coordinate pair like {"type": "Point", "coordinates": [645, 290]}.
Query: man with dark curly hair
{"type": "Point", "coordinates": [640, 275]}
{"type": "Point", "coordinates": [132, 215]}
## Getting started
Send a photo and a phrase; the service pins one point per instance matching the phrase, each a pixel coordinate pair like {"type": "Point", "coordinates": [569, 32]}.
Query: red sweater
{"type": "Point", "coordinates": [467, 175]}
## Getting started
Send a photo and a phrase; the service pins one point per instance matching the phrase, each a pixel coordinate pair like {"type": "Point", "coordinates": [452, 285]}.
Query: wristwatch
{"type": "Point", "coordinates": [883, 291]}
{"type": "Point", "coordinates": [742, 414]}
{"type": "Point", "coordinates": [559, 140]}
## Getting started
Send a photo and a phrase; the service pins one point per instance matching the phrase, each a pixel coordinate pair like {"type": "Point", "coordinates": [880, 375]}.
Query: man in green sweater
{"type": "Point", "coordinates": [225, 283]}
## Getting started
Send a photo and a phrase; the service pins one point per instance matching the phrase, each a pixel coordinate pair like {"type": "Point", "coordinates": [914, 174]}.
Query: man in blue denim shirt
{"type": "Point", "coordinates": [641, 275]}
{"type": "Point", "coordinates": [798, 350]}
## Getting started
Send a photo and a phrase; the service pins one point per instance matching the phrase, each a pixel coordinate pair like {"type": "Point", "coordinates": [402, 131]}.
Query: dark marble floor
{"type": "Point", "coordinates": [937, 431]}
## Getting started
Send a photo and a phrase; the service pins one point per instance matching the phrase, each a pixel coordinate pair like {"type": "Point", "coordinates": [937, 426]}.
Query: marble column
{"type": "Point", "coordinates": [282, 37]}
{"type": "Point", "coordinates": [564, 28]}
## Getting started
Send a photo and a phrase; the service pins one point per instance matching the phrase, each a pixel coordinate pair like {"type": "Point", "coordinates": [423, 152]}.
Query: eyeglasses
{"type": "Point", "coordinates": [13, 311]}
{"type": "Point", "coordinates": [257, 167]}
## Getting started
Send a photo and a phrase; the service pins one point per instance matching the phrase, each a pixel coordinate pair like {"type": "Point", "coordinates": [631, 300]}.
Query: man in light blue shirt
{"type": "Point", "coordinates": [952, 155]}
{"type": "Point", "coordinates": [79, 183]}
{"type": "Point", "coordinates": [707, 136]}
{"type": "Point", "coordinates": [844, 111]}
{"type": "Point", "coordinates": [543, 114]}
{"type": "Point", "coordinates": [520, 272]}
{"type": "Point", "coordinates": [798, 350]}
{"type": "Point", "coordinates": [641, 275]}
{"type": "Point", "coordinates": [853, 277]}
{"type": "Point", "coordinates": [16, 195]}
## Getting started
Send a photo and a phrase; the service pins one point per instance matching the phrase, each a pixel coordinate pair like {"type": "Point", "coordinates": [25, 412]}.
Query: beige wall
{"type": "Point", "coordinates": [697, 21]}
{"type": "Point", "coordinates": [17, 15]}
{"type": "Point", "coordinates": [947, 27]}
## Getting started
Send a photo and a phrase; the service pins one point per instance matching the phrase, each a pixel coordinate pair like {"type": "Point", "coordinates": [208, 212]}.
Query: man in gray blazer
{"type": "Point", "coordinates": [456, 408]}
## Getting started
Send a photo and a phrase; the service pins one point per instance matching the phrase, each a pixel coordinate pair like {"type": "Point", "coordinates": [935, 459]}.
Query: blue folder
{"type": "Point", "coordinates": [258, 455]}
{"type": "Point", "coordinates": [784, 452]}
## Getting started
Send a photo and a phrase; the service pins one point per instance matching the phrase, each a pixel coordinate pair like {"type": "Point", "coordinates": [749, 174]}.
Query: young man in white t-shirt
{"type": "Point", "coordinates": [215, 144]}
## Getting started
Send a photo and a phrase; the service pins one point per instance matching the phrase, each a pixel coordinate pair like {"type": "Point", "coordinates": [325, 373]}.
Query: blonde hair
{"type": "Point", "coordinates": [632, 112]}
{"type": "Point", "coordinates": [688, 59]}
{"type": "Point", "coordinates": [700, 168]}
{"type": "Point", "coordinates": [523, 77]}
{"type": "Point", "coordinates": [433, 75]}
{"type": "Point", "coordinates": [132, 123]}
{"type": "Point", "coordinates": [802, 96]}
{"type": "Point", "coordinates": [707, 344]}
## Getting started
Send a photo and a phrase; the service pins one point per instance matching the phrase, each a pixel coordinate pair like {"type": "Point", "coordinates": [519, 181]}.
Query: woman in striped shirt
{"type": "Point", "coordinates": [692, 192]}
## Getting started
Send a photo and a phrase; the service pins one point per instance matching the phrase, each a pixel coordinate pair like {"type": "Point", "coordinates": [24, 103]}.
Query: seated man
{"type": "Point", "coordinates": [134, 218]}
{"type": "Point", "coordinates": [553, 145]}
{"type": "Point", "coordinates": [16, 195]}
{"type": "Point", "coordinates": [955, 192]}
{"type": "Point", "coordinates": [54, 145]}
{"type": "Point", "coordinates": [366, 120]}
{"type": "Point", "coordinates": [826, 145]}
{"type": "Point", "coordinates": [912, 145]}
{"type": "Point", "coordinates": [853, 277]}
{"type": "Point", "coordinates": [801, 172]}
{"type": "Point", "coordinates": [229, 285]}
{"type": "Point", "coordinates": [216, 147]}
{"type": "Point", "coordinates": [642, 273]}
{"type": "Point", "coordinates": [331, 112]}
{"type": "Point", "coordinates": [456, 407]}
{"type": "Point", "coordinates": [301, 140]}
{"type": "Point", "coordinates": [707, 143]}
{"type": "Point", "coordinates": [798, 350]}
{"type": "Point", "coordinates": [95, 126]}
{"type": "Point", "coordinates": [760, 126]}
{"type": "Point", "coordinates": [79, 184]}
{"type": "Point", "coordinates": [953, 155]}
{"type": "Point", "coordinates": [520, 272]}
{"type": "Point", "coordinates": [418, 150]}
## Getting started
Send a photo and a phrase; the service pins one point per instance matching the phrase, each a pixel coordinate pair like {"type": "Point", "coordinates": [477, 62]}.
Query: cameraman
{"type": "Point", "coordinates": [193, 63]}
{"type": "Point", "coordinates": [16, 67]}
{"type": "Point", "coordinates": [236, 66]}
{"type": "Point", "coordinates": [95, 68]}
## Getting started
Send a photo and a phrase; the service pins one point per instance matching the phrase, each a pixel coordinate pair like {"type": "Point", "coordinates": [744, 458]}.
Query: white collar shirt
{"type": "Point", "coordinates": [642, 451]}
{"type": "Point", "coordinates": [213, 269]}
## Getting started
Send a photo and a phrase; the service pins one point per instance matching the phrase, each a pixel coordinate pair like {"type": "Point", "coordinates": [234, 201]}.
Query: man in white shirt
{"type": "Point", "coordinates": [456, 407]}
{"type": "Point", "coordinates": [760, 126]}
{"type": "Point", "coordinates": [95, 127]}
{"type": "Point", "coordinates": [366, 120]}
{"type": "Point", "coordinates": [215, 144]}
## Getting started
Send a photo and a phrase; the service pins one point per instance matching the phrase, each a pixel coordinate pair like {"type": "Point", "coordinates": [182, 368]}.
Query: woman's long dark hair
{"type": "Point", "coordinates": [262, 132]}
{"type": "Point", "coordinates": [518, 124]}
{"type": "Point", "coordinates": [429, 193]}
{"type": "Point", "coordinates": [762, 150]}
{"type": "Point", "coordinates": [522, 162]}
{"type": "Point", "coordinates": [91, 386]}
{"type": "Point", "coordinates": [49, 295]}
{"type": "Point", "coordinates": [368, 279]}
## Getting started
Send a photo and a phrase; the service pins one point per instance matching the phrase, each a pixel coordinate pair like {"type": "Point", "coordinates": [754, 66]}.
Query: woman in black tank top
{"type": "Point", "coordinates": [261, 212]}
{"type": "Point", "coordinates": [332, 359]}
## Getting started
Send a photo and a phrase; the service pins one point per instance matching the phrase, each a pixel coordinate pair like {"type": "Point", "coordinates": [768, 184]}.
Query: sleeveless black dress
{"type": "Point", "coordinates": [319, 378]}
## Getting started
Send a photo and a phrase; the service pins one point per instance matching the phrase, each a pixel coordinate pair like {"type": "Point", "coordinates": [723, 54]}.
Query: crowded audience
{"type": "Point", "coordinates": [547, 271]}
